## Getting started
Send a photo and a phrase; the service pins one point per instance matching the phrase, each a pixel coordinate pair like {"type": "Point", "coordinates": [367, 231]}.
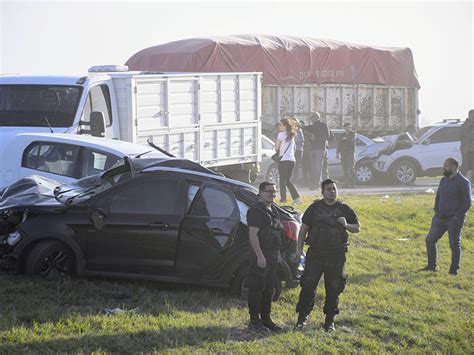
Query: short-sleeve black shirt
{"type": "Point", "coordinates": [256, 216]}
{"type": "Point", "coordinates": [322, 208]}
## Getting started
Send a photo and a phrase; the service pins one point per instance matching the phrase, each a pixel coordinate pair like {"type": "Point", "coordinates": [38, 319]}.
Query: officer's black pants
{"type": "Point", "coordinates": [332, 265]}
{"type": "Point", "coordinates": [261, 283]}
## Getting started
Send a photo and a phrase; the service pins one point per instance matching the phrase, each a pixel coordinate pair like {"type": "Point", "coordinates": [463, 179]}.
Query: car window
{"type": "Point", "coordinates": [98, 99]}
{"type": "Point", "coordinates": [243, 208]}
{"type": "Point", "coordinates": [192, 191]}
{"type": "Point", "coordinates": [156, 196]}
{"type": "Point", "coordinates": [216, 202]}
{"type": "Point", "coordinates": [360, 143]}
{"type": "Point", "coordinates": [55, 158]}
{"type": "Point", "coordinates": [445, 135]}
{"type": "Point", "coordinates": [95, 162]}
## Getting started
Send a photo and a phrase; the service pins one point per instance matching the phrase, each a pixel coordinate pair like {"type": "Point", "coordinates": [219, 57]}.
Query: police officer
{"type": "Point", "coordinates": [265, 232]}
{"type": "Point", "coordinates": [326, 223]}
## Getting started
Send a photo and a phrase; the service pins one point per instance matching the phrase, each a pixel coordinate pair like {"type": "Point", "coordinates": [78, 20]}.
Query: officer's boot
{"type": "Point", "coordinates": [268, 323]}
{"type": "Point", "coordinates": [256, 324]}
{"type": "Point", "coordinates": [329, 323]}
{"type": "Point", "coordinates": [302, 319]}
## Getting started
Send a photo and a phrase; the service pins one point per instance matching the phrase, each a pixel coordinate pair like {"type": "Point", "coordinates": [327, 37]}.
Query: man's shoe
{"type": "Point", "coordinates": [329, 324]}
{"type": "Point", "coordinates": [297, 201]}
{"type": "Point", "coordinates": [257, 326]}
{"type": "Point", "coordinates": [269, 324]}
{"type": "Point", "coordinates": [429, 268]}
{"type": "Point", "coordinates": [301, 322]}
{"type": "Point", "coordinates": [453, 272]}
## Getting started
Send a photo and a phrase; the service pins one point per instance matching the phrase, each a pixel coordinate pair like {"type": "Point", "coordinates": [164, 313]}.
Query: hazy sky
{"type": "Point", "coordinates": [42, 37]}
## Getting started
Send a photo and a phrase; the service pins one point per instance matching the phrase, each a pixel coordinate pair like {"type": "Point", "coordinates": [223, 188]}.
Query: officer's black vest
{"type": "Point", "coordinates": [326, 232]}
{"type": "Point", "coordinates": [269, 236]}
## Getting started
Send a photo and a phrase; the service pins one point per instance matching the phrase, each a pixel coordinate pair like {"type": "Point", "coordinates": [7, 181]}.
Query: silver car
{"type": "Point", "coordinates": [365, 147]}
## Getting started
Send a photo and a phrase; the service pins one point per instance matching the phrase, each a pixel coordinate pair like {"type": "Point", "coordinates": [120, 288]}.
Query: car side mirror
{"type": "Point", "coordinates": [98, 219]}
{"type": "Point", "coordinates": [427, 141]}
{"type": "Point", "coordinates": [97, 122]}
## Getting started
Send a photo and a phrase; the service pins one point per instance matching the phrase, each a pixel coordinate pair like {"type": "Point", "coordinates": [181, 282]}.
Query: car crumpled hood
{"type": "Point", "coordinates": [34, 192]}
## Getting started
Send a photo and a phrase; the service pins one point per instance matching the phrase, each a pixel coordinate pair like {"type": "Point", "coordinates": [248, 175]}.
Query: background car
{"type": "Point", "coordinates": [365, 148]}
{"type": "Point", "coordinates": [409, 157]}
{"type": "Point", "coordinates": [63, 157]}
{"type": "Point", "coordinates": [158, 219]}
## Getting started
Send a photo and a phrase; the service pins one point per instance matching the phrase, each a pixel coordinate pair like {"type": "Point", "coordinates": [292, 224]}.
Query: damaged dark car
{"type": "Point", "coordinates": [155, 219]}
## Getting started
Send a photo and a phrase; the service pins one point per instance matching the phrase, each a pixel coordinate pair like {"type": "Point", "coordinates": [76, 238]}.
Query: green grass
{"type": "Point", "coordinates": [388, 305]}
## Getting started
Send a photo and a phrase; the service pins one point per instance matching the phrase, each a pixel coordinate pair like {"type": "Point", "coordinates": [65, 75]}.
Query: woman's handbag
{"type": "Point", "coordinates": [276, 157]}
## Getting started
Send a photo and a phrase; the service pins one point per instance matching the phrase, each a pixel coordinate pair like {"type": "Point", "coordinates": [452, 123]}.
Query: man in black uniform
{"type": "Point", "coordinates": [265, 239]}
{"type": "Point", "coordinates": [345, 151]}
{"type": "Point", "coordinates": [326, 222]}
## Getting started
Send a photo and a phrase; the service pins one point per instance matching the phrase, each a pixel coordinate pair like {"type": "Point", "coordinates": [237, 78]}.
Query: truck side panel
{"type": "Point", "coordinates": [372, 109]}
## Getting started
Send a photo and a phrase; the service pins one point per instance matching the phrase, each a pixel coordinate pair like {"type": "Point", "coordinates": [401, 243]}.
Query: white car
{"type": "Point", "coordinates": [364, 147]}
{"type": "Point", "coordinates": [62, 157]}
{"type": "Point", "coordinates": [423, 155]}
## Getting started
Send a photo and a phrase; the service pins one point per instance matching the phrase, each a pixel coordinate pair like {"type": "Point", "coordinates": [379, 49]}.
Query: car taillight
{"type": "Point", "coordinates": [292, 229]}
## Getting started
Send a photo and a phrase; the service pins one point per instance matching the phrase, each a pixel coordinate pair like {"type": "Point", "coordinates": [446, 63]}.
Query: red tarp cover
{"type": "Point", "coordinates": [284, 60]}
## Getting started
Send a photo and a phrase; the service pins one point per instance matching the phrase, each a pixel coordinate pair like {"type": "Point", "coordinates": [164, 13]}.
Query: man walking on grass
{"type": "Point", "coordinates": [453, 200]}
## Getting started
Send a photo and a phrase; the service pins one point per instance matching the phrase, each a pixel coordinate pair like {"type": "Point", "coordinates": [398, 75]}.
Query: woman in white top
{"type": "Point", "coordinates": [285, 146]}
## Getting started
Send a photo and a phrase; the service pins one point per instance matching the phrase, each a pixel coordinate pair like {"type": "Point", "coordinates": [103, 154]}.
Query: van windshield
{"type": "Point", "coordinates": [36, 105]}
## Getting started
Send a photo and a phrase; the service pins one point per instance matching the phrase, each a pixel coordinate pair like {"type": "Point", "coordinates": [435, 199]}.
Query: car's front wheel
{"type": "Point", "coordinates": [364, 173]}
{"type": "Point", "coordinates": [405, 172]}
{"type": "Point", "coordinates": [273, 174]}
{"type": "Point", "coordinates": [50, 259]}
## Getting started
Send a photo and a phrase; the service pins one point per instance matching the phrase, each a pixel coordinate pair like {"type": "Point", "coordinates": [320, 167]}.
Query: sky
{"type": "Point", "coordinates": [68, 37]}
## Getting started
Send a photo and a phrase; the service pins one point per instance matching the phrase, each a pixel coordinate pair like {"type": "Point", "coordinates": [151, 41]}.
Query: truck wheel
{"type": "Point", "coordinates": [364, 173]}
{"type": "Point", "coordinates": [273, 175]}
{"type": "Point", "coordinates": [50, 259]}
{"type": "Point", "coordinates": [405, 172]}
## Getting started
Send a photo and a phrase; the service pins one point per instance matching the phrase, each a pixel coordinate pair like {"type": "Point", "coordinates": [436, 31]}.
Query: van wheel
{"type": "Point", "coordinates": [364, 173]}
{"type": "Point", "coordinates": [50, 259]}
{"type": "Point", "coordinates": [405, 172]}
{"type": "Point", "coordinates": [273, 175]}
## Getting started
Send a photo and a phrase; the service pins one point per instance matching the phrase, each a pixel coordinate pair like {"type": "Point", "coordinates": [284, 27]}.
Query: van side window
{"type": "Point", "coordinates": [98, 99]}
{"type": "Point", "coordinates": [95, 162]}
{"type": "Point", "coordinates": [55, 158]}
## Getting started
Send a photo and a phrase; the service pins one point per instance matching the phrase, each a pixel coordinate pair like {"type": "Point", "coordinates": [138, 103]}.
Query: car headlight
{"type": "Point", "coordinates": [13, 238]}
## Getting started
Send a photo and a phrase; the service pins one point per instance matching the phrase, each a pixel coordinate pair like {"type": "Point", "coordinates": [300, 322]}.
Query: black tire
{"type": "Point", "coordinates": [405, 172]}
{"type": "Point", "coordinates": [364, 174]}
{"type": "Point", "coordinates": [50, 259]}
{"type": "Point", "coordinates": [273, 174]}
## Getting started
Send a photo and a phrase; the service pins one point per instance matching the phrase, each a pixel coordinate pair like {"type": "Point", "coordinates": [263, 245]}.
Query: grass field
{"type": "Point", "coordinates": [388, 304]}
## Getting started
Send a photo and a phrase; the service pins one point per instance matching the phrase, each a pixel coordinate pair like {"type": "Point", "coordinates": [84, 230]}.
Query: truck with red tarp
{"type": "Point", "coordinates": [374, 88]}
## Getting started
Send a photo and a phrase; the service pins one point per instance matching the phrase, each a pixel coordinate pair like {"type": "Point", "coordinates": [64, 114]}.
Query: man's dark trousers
{"type": "Point", "coordinates": [439, 226]}
{"type": "Point", "coordinates": [261, 283]}
{"type": "Point", "coordinates": [332, 265]}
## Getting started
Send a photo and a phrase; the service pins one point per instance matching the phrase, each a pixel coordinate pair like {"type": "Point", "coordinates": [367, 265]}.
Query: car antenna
{"type": "Point", "coordinates": [50, 128]}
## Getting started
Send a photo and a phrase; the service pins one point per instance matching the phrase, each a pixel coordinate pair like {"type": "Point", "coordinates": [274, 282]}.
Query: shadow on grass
{"type": "Point", "coordinates": [144, 341]}
{"type": "Point", "coordinates": [28, 300]}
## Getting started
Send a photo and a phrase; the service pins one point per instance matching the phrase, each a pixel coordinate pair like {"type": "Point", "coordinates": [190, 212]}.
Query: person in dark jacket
{"type": "Point", "coordinates": [345, 152]}
{"type": "Point", "coordinates": [265, 239]}
{"type": "Point", "coordinates": [317, 135]}
{"type": "Point", "coordinates": [324, 229]}
{"type": "Point", "coordinates": [467, 146]}
{"type": "Point", "coordinates": [453, 200]}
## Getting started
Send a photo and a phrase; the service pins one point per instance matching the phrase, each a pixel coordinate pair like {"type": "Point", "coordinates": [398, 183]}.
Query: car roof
{"type": "Point", "coordinates": [111, 145]}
